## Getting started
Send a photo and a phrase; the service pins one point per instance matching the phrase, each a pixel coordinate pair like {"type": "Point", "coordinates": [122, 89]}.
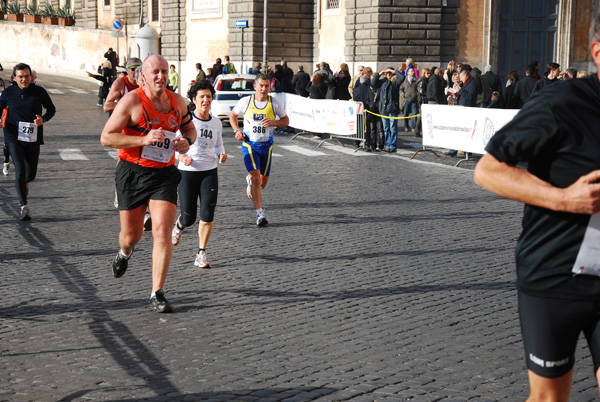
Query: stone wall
{"type": "Point", "coordinates": [290, 30]}
{"type": "Point", "coordinates": [173, 29]}
{"type": "Point", "coordinates": [86, 13]}
{"type": "Point", "coordinates": [389, 31]}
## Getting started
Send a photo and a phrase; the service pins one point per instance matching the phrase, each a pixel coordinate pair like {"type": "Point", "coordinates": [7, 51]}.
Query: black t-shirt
{"type": "Point", "coordinates": [557, 133]}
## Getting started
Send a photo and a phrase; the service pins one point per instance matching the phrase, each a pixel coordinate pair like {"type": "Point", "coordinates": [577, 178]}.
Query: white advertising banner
{"type": "Point", "coordinates": [321, 115]}
{"type": "Point", "coordinates": [462, 128]}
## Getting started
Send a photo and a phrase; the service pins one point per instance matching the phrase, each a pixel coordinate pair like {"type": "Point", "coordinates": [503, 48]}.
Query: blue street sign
{"type": "Point", "coordinates": [241, 23]}
{"type": "Point", "coordinates": [117, 25]}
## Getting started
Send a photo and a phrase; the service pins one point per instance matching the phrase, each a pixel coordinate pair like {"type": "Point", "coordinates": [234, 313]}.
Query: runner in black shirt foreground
{"type": "Point", "coordinates": [557, 133]}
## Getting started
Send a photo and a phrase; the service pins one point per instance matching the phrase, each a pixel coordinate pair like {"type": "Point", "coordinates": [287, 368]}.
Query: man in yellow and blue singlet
{"type": "Point", "coordinates": [259, 111]}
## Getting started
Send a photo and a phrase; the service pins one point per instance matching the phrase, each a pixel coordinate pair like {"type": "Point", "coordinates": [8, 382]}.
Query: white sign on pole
{"type": "Point", "coordinates": [460, 127]}
{"type": "Point", "coordinates": [321, 115]}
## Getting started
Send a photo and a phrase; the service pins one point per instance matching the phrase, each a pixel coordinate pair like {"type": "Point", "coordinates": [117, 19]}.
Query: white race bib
{"type": "Point", "coordinates": [160, 151]}
{"type": "Point", "coordinates": [588, 257]}
{"type": "Point", "coordinates": [258, 133]}
{"type": "Point", "coordinates": [27, 132]}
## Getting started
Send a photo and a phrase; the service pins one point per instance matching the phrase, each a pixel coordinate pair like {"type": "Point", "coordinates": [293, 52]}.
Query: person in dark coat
{"type": "Point", "coordinates": [525, 86]}
{"type": "Point", "coordinates": [511, 100]}
{"type": "Point", "coordinates": [493, 83]}
{"type": "Point", "coordinates": [495, 101]}
{"type": "Point", "coordinates": [113, 58]}
{"type": "Point", "coordinates": [300, 80]}
{"type": "Point", "coordinates": [550, 77]}
{"type": "Point", "coordinates": [467, 96]}
{"type": "Point", "coordinates": [435, 88]}
{"type": "Point", "coordinates": [218, 67]}
{"type": "Point", "coordinates": [105, 77]}
{"type": "Point", "coordinates": [317, 89]}
{"type": "Point", "coordinates": [363, 93]}
{"type": "Point", "coordinates": [341, 82]}
{"type": "Point", "coordinates": [387, 84]}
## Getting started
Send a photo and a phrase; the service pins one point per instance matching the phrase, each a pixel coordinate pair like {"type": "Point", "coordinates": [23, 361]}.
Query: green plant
{"type": "Point", "coordinates": [32, 10]}
{"type": "Point", "coordinates": [49, 11]}
{"type": "Point", "coordinates": [65, 12]}
{"type": "Point", "coordinates": [14, 8]}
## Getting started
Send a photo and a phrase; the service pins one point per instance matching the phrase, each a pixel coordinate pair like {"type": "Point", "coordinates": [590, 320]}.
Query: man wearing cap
{"type": "Point", "coordinates": [123, 85]}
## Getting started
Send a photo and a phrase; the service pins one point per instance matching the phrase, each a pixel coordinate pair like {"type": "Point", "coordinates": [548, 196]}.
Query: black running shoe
{"type": "Point", "coordinates": [119, 265]}
{"type": "Point", "coordinates": [159, 303]}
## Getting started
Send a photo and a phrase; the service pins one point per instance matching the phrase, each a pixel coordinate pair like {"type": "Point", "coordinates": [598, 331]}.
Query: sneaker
{"type": "Point", "coordinates": [249, 188]}
{"type": "Point", "coordinates": [202, 260]}
{"type": "Point", "coordinates": [6, 169]}
{"type": "Point", "coordinates": [25, 213]}
{"type": "Point", "coordinates": [147, 222]}
{"type": "Point", "coordinates": [176, 235]}
{"type": "Point", "coordinates": [119, 265]}
{"type": "Point", "coordinates": [159, 303]}
{"type": "Point", "coordinates": [261, 220]}
{"type": "Point", "coordinates": [450, 153]}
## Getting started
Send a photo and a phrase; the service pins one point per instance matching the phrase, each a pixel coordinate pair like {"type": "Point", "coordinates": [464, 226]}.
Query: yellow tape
{"type": "Point", "coordinates": [393, 118]}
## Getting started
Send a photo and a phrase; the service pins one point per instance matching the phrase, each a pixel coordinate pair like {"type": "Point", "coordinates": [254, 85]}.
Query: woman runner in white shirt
{"type": "Point", "coordinates": [198, 169]}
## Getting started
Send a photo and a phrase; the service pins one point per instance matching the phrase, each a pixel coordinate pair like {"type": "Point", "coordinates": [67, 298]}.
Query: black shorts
{"type": "Point", "coordinates": [136, 185]}
{"type": "Point", "coordinates": [550, 329]}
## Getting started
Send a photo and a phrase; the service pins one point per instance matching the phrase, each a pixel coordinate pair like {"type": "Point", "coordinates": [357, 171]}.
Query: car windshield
{"type": "Point", "coordinates": [236, 84]}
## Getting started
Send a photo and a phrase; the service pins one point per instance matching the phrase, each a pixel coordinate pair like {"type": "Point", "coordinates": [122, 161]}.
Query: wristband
{"type": "Point", "coordinates": [189, 141]}
{"type": "Point", "coordinates": [238, 129]}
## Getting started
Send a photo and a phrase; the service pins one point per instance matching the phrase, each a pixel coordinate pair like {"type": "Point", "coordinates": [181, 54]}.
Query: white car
{"type": "Point", "coordinates": [229, 89]}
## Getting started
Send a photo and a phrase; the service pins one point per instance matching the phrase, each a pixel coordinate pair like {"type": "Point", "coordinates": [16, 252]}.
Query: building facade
{"type": "Point", "coordinates": [508, 34]}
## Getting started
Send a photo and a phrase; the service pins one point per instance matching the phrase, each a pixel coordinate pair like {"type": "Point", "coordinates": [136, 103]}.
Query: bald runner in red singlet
{"type": "Point", "coordinates": [143, 127]}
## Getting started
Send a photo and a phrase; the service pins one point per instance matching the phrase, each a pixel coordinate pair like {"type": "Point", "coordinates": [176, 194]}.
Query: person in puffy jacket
{"type": "Point", "coordinates": [387, 84]}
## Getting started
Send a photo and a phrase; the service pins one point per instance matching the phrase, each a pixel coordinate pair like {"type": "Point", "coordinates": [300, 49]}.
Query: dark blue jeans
{"type": "Point", "coordinates": [410, 109]}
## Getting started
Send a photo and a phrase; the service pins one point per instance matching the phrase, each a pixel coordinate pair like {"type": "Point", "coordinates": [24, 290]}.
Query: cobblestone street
{"type": "Point", "coordinates": [379, 278]}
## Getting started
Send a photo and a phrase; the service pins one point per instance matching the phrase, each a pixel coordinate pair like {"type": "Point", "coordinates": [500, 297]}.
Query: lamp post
{"type": "Point", "coordinates": [265, 30]}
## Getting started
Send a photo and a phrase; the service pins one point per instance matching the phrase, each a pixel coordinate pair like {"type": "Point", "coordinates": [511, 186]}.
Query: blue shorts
{"type": "Point", "coordinates": [257, 155]}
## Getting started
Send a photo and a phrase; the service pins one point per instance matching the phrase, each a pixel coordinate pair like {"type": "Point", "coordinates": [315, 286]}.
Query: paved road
{"type": "Point", "coordinates": [378, 279]}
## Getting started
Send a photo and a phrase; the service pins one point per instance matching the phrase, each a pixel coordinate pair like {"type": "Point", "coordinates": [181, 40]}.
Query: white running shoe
{"type": "Point", "coordinates": [176, 235]}
{"type": "Point", "coordinates": [202, 260]}
{"type": "Point", "coordinates": [261, 220]}
{"type": "Point", "coordinates": [25, 213]}
{"type": "Point", "coordinates": [6, 169]}
{"type": "Point", "coordinates": [147, 222]}
{"type": "Point", "coordinates": [249, 188]}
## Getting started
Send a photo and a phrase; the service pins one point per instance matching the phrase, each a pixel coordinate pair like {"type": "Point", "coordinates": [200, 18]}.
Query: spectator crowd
{"type": "Point", "coordinates": [389, 95]}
